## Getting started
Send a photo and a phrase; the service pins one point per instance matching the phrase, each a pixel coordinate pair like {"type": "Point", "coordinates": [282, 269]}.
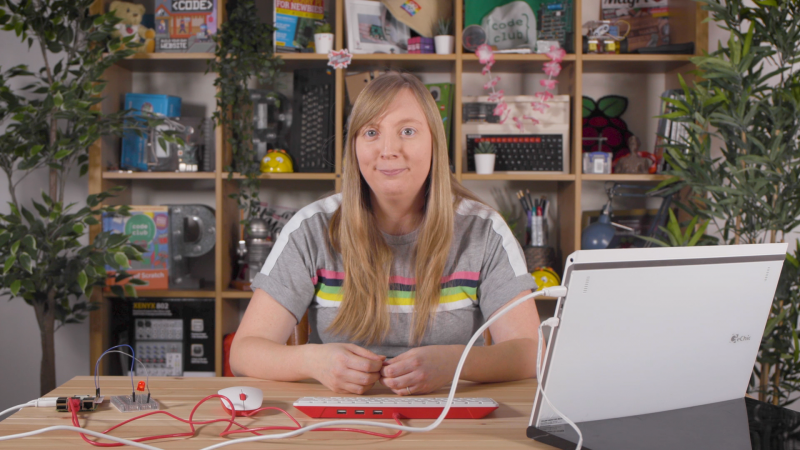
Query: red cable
{"type": "Point", "coordinates": [74, 407]}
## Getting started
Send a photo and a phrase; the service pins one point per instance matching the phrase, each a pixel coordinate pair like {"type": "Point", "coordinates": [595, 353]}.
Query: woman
{"type": "Point", "coordinates": [397, 272]}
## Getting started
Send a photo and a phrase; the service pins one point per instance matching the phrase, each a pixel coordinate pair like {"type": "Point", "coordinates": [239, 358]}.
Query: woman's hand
{"type": "Point", "coordinates": [422, 369]}
{"type": "Point", "coordinates": [345, 368]}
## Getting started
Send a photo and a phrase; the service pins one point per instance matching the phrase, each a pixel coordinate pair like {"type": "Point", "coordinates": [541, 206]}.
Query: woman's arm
{"type": "Point", "coordinates": [511, 357]}
{"type": "Point", "coordinates": [259, 351]}
{"type": "Point", "coordinates": [258, 348]}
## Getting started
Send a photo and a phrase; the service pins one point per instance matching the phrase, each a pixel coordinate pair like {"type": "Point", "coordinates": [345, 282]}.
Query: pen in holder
{"type": "Point", "coordinates": [538, 253]}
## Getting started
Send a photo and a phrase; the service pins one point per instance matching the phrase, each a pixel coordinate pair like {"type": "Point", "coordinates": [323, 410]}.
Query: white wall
{"type": "Point", "coordinates": [20, 346]}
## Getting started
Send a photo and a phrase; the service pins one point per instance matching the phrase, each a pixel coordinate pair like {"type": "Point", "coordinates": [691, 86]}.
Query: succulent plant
{"type": "Point", "coordinates": [445, 26]}
{"type": "Point", "coordinates": [484, 148]}
{"type": "Point", "coordinates": [324, 28]}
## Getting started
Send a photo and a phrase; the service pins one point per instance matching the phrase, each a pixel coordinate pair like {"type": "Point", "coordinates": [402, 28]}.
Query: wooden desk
{"type": "Point", "coordinates": [504, 428]}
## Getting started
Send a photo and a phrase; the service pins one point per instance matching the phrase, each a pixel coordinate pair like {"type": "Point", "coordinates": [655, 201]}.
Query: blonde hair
{"type": "Point", "coordinates": [353, 231]}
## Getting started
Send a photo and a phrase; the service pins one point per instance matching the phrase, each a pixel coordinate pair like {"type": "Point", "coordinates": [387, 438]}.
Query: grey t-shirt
{"type": "Point", "coordinates": [485, 269]}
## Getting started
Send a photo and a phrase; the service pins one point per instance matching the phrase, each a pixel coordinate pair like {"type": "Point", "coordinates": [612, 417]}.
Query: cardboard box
{"type": "Point", "coordinates": [648, 19]}
{"type": "Point", "coordinates": [186, 26]}
{"type": "Point", "coordinates": [356, 82]}
{"type": "Point", "coordinates": [148, 227]}
{"type": "Point", "coordinates": [420, 44]}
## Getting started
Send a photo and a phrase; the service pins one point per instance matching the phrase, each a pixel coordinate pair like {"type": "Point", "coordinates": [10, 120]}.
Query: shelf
{"type": "Point", "coordinates": [167, 62]}
{"type": "Point", "coordinates": [529, 57]}
{"type": "Point", "coordinates": [520, 176]}
{"type": "Point", "coordinates": [234, 293]}
{"type": "Point", "coordinates": [412, 62]}
{"type": "Point", "coordinates": [512, 62]}
{"type": "Point", "coordinates": [634, 63]}
{"type": "Point", "coordinates": [623, 177]}
{"type": "Point", "coordinates": [124, 175]}
{"type": "Point", "coordinates": [287, 176]}
{"type": "Point", "coordinates": [198, 62]}
{"type": "Point", "coordinates": [169, 293]}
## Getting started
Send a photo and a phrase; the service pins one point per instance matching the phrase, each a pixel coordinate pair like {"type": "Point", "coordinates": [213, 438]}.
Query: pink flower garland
{"type": "Point", "coordinates": [551, 69]}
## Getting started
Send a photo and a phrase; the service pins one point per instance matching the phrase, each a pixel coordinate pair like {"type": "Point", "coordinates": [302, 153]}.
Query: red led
{"type": "Point", "coordinates": [140, 386]}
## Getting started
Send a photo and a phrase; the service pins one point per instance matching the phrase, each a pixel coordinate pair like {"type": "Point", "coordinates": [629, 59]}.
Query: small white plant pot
{"type": "Point", "coordinates": [445, 45]}
{"type": "Point", "coordinates": [484, 163]}
{"type": "Point", "coordinates": [323, 42]}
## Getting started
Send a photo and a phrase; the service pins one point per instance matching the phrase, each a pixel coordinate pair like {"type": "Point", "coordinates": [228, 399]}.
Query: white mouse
{"type": "Point", "coordinates": [244, 398]}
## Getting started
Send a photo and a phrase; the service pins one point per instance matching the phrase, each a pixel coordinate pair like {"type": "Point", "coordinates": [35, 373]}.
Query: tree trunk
{"type": "Point", "coordinates": [47, 381]}
{"type": "Point", "coordinates": [46, 318]}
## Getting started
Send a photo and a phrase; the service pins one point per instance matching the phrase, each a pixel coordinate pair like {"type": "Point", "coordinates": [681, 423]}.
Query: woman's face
{"type": "Point", "coordinates": [394, 153]}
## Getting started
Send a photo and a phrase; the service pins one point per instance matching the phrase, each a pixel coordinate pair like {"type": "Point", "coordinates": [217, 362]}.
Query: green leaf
{"type": "Point", "coordinates": [61, 154]}
{"type": "Point", "coordinates": [589, 106]}
{"type": "Point", "coordinates": [78, 229]}
{"type": "Point", "coordinates": [117, 290]}
{"type": "Point", "coordinates": [689, 230]}
{"type": "Point", "coordinates": [25, 262]}
{"type": "Point", "coordinates": [15, 247]}
{"type": "Point", "coordinates": [673, 227]}
{"type": "Point", "coordinates": [15, 287]}
{"type": "Point", "coordinates": [122, 260]}
{"type": "Point", "coordinates": [748, 40]}
{"type": "Point", "coordinates": [699, 235]}
{"type": "Point", "coordinates": [130, 290]}
{"type": "Point", "coordinates": [653, 240]}
{"type": "Point", "coordinates": [9, 263]}
{"type": "Point", "coordinates": [613, 105]}
{"type": "Point", "coordinates": [82, 280]}
{"type": "Point", "coordinates": [29, 242]}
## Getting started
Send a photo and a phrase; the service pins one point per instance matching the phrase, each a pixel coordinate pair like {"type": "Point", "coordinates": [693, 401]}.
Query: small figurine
{"type": "Point", "coordinates": [277, 160]}
{"type": "Point", "coordinates": [633, 162]}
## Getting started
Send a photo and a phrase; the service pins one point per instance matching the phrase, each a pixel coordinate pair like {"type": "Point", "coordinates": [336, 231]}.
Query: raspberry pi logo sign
{"type": "Point", "coordinates": [603, 118]}
{"type": "Point", "coordinates": [141, 228]}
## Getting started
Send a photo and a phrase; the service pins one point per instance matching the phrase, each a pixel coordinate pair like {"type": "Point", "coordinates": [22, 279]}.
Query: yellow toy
{"type": "Point", "coordinates": [131, 25]}
{"type": "Point", "coordinates": [545, 277]}
{"type": "Point", "coordinates": [277, 160]}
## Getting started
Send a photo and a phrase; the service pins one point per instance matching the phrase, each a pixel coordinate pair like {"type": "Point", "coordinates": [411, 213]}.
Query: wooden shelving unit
{"type": "Point", "coordinates": [686, 25]}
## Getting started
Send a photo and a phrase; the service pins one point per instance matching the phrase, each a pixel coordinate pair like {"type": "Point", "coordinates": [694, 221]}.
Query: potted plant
{"type": "Point", "coordinates": [484, 158]}
{"type": "Point", "coordinates": [50, 125]}
{"type": "Point", "coordinates": [444, 41]}
{"type": "Point", "coordinates": [323, 39]}
{"type": "Point", "coordinates": [745, 99]}
{"type": "Point", "coordinates": [244, 57]}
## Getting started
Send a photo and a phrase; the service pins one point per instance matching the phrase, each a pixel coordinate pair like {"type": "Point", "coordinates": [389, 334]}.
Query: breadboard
{"type": "Point", "coordinates": [124, 403]}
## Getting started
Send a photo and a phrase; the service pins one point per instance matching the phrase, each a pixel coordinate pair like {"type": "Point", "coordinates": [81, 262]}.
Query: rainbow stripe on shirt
{"type": "Point", "coordinates": [458, 291]}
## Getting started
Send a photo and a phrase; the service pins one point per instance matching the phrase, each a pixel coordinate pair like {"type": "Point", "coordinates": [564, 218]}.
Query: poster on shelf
{"type": "Point", "coordinates": [186, 26]}
{"type": "Point", "coordinates": [295, 22]}
{"type": "Point", "coordinates": [148, 226]}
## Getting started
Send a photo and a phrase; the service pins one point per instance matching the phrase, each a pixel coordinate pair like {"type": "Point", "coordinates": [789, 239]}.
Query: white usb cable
{"type": "Point", "coordinates": [555, 291]}
{"type": "Point", "coordinates": [552, 323]}
{"type": "Point", "coordinates": [38, 403]}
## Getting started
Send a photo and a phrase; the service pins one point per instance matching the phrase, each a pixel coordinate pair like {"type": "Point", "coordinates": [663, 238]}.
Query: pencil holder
{"type": "Point", "coordinates": [540, 257]}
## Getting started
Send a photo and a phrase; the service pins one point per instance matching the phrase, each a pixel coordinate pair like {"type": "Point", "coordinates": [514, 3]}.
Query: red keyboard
{"type": "Point", "coordinates": [385, 407]}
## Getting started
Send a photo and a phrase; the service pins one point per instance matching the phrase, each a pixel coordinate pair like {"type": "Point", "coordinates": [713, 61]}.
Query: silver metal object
{"type": "Point", "coordinates": [259, 243]}
{"type": "Point", "coordinates": [192, 234]}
